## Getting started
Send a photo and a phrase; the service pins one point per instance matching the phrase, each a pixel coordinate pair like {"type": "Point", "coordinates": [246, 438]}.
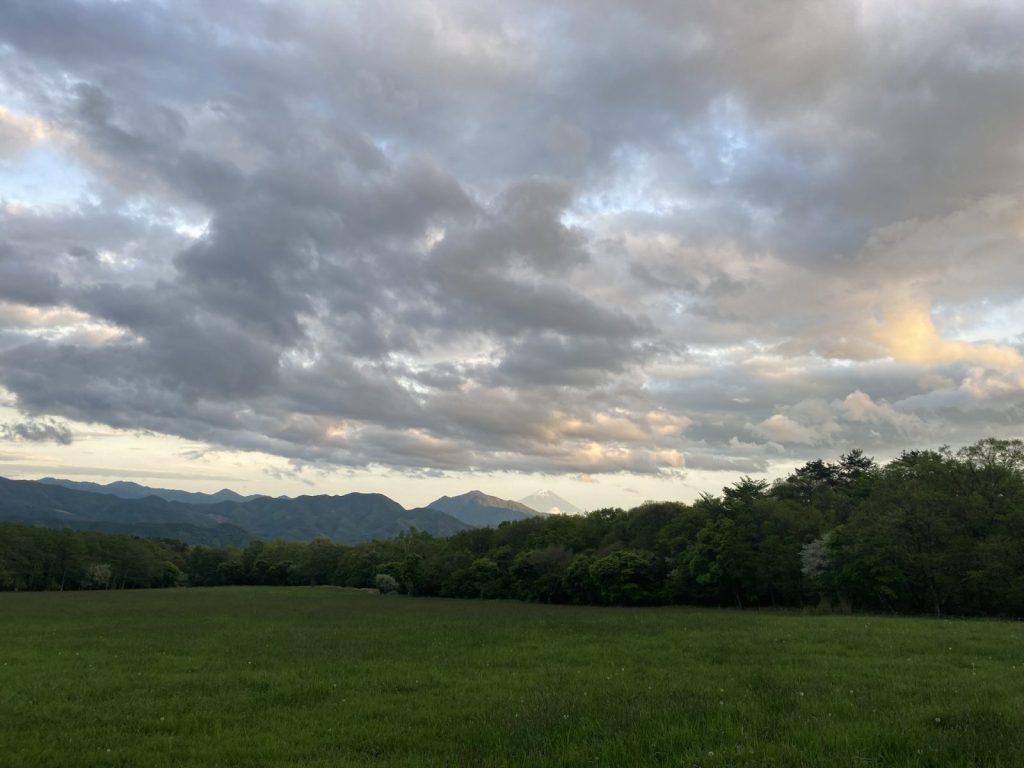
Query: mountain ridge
{"type": "Point", "coordinates": [349, 519]}
{"type": "Point", "coordinates": [482, 510]}
{"type": "Point", "coordinates": [126, 489]}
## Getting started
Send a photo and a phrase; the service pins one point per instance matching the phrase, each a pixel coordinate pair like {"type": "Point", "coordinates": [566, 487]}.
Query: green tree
{"type": "Point", "coordinates": [385, 583]}
{"type": "Point", "coordinates": [624, 578]}
{"type": "Point", "coordinates": [714, 559]}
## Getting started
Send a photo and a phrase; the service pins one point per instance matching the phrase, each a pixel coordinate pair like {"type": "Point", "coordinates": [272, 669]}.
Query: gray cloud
{"type": "Point", "coordinates": [605, 237]}
{"type": "Point", "coordinates": [38, 431]}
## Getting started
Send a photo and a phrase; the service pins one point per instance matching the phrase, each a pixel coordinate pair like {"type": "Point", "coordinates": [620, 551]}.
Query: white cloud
{"type": "Point", "coordinates": [859, 407]}
{"type": "Point", "coordinates": [19, 132]}
{"type": "Point", "coordinates": [782, 429]}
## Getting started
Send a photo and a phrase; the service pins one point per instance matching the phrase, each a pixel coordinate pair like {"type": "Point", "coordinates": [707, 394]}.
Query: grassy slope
{"type": "Point", "coordinates": [327, 677]}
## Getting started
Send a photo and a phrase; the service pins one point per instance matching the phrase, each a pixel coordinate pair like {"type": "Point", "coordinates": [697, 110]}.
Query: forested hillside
{"type": "Point", "coordinates": [938, 532]}
{"type": "Point", "coordinates": [129, 490]}
{"type": "Point", "coordinates": [348, 519]}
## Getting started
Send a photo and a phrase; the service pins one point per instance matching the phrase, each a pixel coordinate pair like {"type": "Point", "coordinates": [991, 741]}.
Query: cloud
{"type": "Point", "coordinates": [859, 407]}
{"type": "Point", "coordinates": [909, 334]}
{"type": "Point", "coordinates": [19, 132]}
{"type": "Point", "coordinates": [611, 237]}
{"type": "Point", "coordinates": [37, 431]}
{"type": "Point", "coordinates": [782, 429]}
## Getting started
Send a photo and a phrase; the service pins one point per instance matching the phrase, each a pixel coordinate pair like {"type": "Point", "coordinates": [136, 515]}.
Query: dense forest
{"type": "Point", "coordinates": [938, 532]}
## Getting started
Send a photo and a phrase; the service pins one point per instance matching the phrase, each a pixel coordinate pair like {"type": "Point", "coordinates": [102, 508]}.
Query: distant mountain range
{"type": "Point", "coordinates": [480, 510]}
{"type": "Point", "coordinates": [228, 518]}
{"type": "Point", "coordinates": [550, 503]}
{"type": "Point", "coordinates": [55, 506]}
{"type": "Point", "coordinates": [348, 519]}
{"type": "Point", "coordinates": [129, 490]}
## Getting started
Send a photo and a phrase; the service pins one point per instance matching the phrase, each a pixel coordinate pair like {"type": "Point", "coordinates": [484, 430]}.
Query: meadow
{"type": "Point", "coordinates": [273, 676]}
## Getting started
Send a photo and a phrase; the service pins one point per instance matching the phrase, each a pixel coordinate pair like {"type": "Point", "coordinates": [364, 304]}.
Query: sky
{"type": "Point", "coordinates": [622, 250]}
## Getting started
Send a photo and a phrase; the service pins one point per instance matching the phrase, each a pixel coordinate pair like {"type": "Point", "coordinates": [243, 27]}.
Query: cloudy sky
{"type": "Point", "coordinates": [624, 250]}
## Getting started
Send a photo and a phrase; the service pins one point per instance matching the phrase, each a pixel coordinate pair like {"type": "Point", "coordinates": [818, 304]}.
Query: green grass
{"type": "Point", "coordinates": [328, 677]}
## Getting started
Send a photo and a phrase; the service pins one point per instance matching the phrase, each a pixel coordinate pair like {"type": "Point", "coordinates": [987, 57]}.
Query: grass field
{"type": "Point", "coordinates": [328, 677]}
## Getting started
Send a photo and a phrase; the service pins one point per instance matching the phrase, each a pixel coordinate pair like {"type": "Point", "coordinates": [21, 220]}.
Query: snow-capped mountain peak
{"type": "Point", "coordinates": [550, 503]}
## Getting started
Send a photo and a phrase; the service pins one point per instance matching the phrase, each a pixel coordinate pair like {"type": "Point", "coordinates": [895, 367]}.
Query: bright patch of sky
{"type": "Point", "coordinates": [983, 323]}
{"type": "Point", "coordinates": [42, 177]}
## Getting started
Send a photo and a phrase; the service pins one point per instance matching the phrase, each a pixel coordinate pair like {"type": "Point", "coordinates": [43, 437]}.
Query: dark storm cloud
{"type": "Point", "coordinates": [599, 237]}
{"type": "Point", "coordinates": [551, 359]}
{"type": "Point", "coordinates": [27, 284]}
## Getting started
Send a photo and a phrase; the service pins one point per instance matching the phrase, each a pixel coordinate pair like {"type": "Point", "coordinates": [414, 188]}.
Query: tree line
{"type": "Point", "coordinates": [937, 532]}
